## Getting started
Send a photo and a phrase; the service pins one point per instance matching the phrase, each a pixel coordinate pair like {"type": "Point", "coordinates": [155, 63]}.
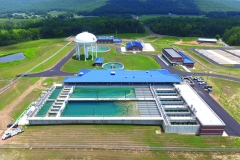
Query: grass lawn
{"type": "Point", "coordinates": [4, 82]}
{"type": "Point", "coordinates": [135, 62]}
{"type": "Point", "coordinates": [35, 52]}
{"type": "Point", "coordinates": [16, 90]}
{"type": "Point", "coordinates": [227, 93]}
{"type": "Point", "coordinates": [28, 154]}
{"type": "Point", "coordinates": [120, 135]}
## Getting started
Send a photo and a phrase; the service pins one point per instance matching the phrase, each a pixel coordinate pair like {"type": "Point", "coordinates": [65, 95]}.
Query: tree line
{"type": "Point", "coordinates": [232, 36]}
{"type": "Point", "coordinates": [191, 27]}
{"type": "Point", "coordinates": [57, 27]}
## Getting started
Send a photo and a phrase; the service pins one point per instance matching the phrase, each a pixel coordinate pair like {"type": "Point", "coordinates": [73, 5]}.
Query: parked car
{"type": "Point", "coordinates": [195, 78]}
{"type": "Point", "coordinates": [10, 124]}
{"type": "Point", "coordinates": [200, 80]}
{"type": "Point", "coordinates": [202, 83]}
{"type": "Point", "coordinates": [6, 135]}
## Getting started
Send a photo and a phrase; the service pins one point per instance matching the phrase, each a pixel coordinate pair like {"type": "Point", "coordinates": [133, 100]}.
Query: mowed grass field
{"type": "Point", "coordinates": [227, 93]}
{"type": "Point", "coordinates": [39, 154]}
{"type": "Point", "coordinates": [116, 135]}
{"type": "Point", "coordinates": [35, 52]}
{"type": "Point", "coordinates": [130, 62]}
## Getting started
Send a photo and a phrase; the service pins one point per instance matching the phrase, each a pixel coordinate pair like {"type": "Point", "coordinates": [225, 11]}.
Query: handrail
{"type": "Point", "coordinates": [159, 108]}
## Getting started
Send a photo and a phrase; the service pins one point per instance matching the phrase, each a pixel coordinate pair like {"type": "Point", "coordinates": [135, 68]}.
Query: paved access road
{"type": "Point", "coordinates": [56, 70]}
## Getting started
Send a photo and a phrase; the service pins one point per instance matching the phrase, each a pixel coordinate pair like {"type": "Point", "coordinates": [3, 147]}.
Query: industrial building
{"type": "Point", "coordinates": [177, 58]}
{"type": "Point", "coordinates": [151, 97]}
{"type": "Point", "coordinates": [207, 40]}
{"type": "Point", "coordinates": [108, 40]}
{"type": "Point", "coordinates": [187, 61]}
{"type": "Point", "coordinates": [134, 46]}
{"type": "Point", "coordinates": [98, 62]}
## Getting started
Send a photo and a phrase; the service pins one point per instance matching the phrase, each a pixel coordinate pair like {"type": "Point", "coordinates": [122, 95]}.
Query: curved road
{"type": "Point", "coordinates": [232, 126]}
{"type": "Point", "coordinates": [56, 70]}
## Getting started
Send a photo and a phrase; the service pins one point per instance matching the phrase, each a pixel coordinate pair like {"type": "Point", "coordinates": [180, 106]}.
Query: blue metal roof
{"type": "Point", "coordinates": [99, 60]}
{"type": "Point", "coordinates": [123, 76]}
{"type": "Point", "coordinates": [133, 43]}
{"type": "Point", "coordinates": [117, 40]}
{"type": "Point", "coordinates": [105, 37]}
{"type": "Point", "coordinates": [186, 58]}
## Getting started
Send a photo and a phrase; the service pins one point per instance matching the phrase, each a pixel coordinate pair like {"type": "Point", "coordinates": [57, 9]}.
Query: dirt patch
{"type": "Point", "coordinates": [225, 157]}
{"type": "Point", "coordinates": [5, 113]}
{"type": "Point", "coordinates": [72, 38]}
{"type": "Point", "coordinates": [179, 42]}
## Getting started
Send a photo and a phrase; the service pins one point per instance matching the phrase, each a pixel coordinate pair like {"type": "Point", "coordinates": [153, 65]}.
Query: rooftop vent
{"type": "Point", "coordinates": [113, 73]}
{"type": "Point", "coordinates": [81, 73]}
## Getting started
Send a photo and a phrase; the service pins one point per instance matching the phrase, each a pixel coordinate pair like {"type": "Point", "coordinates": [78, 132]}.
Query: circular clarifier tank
{"type": "Point", "coordinates": [113, 65]}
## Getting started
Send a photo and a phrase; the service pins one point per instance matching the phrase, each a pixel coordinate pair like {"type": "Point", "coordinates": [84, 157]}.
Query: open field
{"type": "Point", "coordinates": [36, 154]}
{"type": "Point", "coordinates": [227, 93]}
{"type": "Point", "coordinates": [35, 52]}
{"type": "Point", "coordinates": [135, 62]}
{"type": "Point", "coordinates": [4, 82]}
{"type": "Point", "coordinates": [145, 17]}
{"type": "Point", "coordinates": [116, 135]}
{"type": "Point", "coordinates": [28, 154]}
{"type": "Point", "coordinates": [16, 90]}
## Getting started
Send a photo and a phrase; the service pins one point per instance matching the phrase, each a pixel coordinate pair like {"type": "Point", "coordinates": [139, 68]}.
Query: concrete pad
{"type": "Point", "coordinates": [148, 47]}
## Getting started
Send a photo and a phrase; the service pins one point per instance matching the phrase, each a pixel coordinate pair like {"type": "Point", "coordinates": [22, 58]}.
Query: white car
{"type": "Point", "coordinates": [202, 83]}
{"type": "Point", "coordinates": [6, 135]}
{"type": "Point", "coordinates": [200, 80]}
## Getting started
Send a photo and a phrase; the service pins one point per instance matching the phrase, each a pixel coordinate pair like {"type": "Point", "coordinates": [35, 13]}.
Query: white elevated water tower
{"type": "Point", "coordinates": [86, 40]}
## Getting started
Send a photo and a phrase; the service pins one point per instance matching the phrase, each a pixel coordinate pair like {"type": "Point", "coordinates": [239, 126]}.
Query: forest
{"type": "Point", "coordinates": [57, 27]}
{"type": "Point", "coordinates": [191, 27]}
{"type": "Point", "coordinates": [232, 36]}
{"type": "Point", "coordinates": [103, 7]}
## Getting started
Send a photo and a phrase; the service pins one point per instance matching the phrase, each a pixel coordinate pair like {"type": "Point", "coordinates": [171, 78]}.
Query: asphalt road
{"type": "Point", "coordinates": [232, 126]}
{"type": "Point", "coordinates": [56, 70]}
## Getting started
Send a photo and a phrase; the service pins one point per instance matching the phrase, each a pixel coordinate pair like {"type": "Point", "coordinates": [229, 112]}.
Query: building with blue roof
{"type": "Point", "coordinates": [122, 77]}
{"type": "Point", "coordinates": [98, 61]}
{"type": "Point", "coordinates": [108, 40]}
{"type": "Point", "coordinates": [105, 39]}
{"type": "Point", "coordinates": [176, 57]}
{"type": "Point", "coordinates": [134, 46]}
{"type": "Point", "coordinates": [186, 60]}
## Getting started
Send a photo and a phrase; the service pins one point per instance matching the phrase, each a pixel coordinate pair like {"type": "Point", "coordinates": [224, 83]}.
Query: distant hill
{"type": "Point", "coordinates": [121, 6]}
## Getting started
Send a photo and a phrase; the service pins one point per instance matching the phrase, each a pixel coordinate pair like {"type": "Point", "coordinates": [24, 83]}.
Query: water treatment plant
{"type": "Point", "coordinates": [150, 97]}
